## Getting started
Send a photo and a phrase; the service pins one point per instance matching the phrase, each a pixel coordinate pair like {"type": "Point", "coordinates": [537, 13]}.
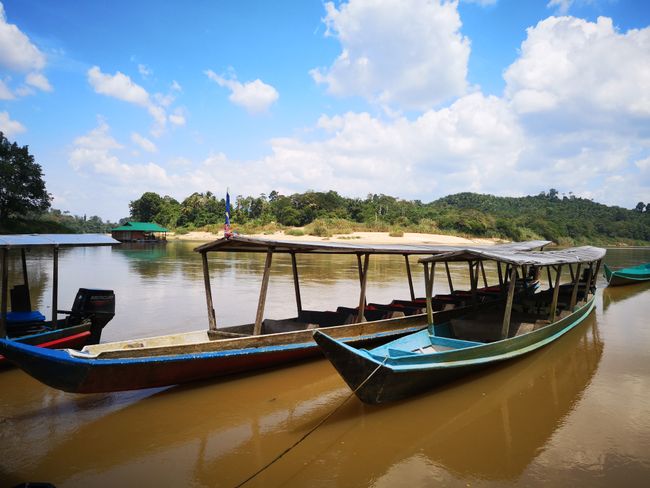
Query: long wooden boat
{"type": "Point", "coordinates": [450, 348]}
{"type": "Point", "coordinates": [180, 358]}
{"type": "Point", "coordinates": [627, 276]}
{"type": "Point", "coordinates": [83, 323]}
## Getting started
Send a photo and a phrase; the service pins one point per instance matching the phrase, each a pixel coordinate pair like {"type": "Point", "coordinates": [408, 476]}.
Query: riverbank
{"type": "Point", "coordinates": [357, 237]}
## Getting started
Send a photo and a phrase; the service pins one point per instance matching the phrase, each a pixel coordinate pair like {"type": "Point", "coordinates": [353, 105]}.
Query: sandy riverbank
{"type": "Point", "coordinates": [357, 237]}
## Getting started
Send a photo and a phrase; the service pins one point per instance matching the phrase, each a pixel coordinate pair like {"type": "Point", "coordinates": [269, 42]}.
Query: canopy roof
{"type": "Point", "coordinates": [140, 226]}
{"type": "Point", "coordinates": [254, 244]}
{"type": "Point", "coordinates": [51, 240]}
{"type": "Point", "coordinates": [584, 254]}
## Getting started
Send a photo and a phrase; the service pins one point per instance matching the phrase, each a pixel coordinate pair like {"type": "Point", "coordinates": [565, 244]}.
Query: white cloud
{"type": "Point", "coordinates": [17, 53]}
{"type": "Point", "coordinates": [407, 54]}
{"type": "Point", "coordinates": [562, 6]}
{"type": "Point", "coordinates": [255, 96]}
{"type": "Point", "coordinates": [143, 142]}
{"type": "Point", "coordinates": [176, 86]}
{"type": "Point", "coordinates": [39, 81]}
{"type": "Point", "coordinates": [576, 67]}
{"type": "Point", "coordinates": [118, 86]}
{"type": "Point", "coordinates": [5, 91]}
{"type": "Point", "coordinates": [178, 117]}
{"type": "Point", "coordinates": [121, 86]}
{"type": "Point", "coordinates": [144, 71]}
{"type": "Point", "coordinates": [94, 153]}
{"type": "Point", "coordinates": [9, 127]}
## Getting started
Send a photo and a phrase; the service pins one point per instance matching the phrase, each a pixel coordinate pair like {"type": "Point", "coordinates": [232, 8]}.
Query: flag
{"type": "Point", "coordinates": [226, 228]}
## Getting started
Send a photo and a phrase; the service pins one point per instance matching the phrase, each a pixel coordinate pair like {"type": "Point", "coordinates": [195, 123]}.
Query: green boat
{"type": "Point", "coordinates": [627, 276]}
{"type": "Point", "coordinates": [448, 349]}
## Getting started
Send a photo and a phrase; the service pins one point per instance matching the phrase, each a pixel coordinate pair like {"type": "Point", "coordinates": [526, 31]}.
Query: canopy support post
{"type": "Point", "coordinates": [364, 282]}
{"type": "Point", "coordinates": [508, 311]}
{"type": "Point", "coordinates": [257, 330]}
{"type": "Point", "coordinates": [548, 273]}
{"type": "Point", "coordinates": [451, 285]}
{"type": "Point", "coordinates": [574, 293]}
{"type": "Point", "coordinates": [500, 273]}
{"type": "Point", "coordinates": [428, 287]}
{"type": "Point", "coordinates": [296, 282]}
{"type": "Point", "coordinates": [3, 297]}
{"type": "Point", "coordinates": [483, 273]}
{"type": "Point", "coordinates": [408, 275]}
{"type": "Point", "coordinates": [556, 293]}
{"type": "Point", "coordinates": [23, 258]}
{"type": "Point", "coordinates": [594, 277]}
{"type": "Point", "coordinates": [212, 320]}
{"type": "Point", "coordinates": [55, 285]}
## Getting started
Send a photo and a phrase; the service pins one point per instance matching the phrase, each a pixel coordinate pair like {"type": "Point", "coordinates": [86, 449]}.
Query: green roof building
{"type": "Point", "coordinates": [139, 232]}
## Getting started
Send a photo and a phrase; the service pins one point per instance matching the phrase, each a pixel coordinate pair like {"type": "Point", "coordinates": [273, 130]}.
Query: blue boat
{"type": "Point", "coordinates": [627, 276]}
{"type": "Point", "coordinates": [451, 348]}
{"type": "Point", "coordinates": [83, 323]}
{"type": "Point", "coordinates": [217, 351]}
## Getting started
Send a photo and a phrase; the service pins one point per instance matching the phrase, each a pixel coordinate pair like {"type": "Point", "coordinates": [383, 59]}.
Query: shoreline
{"type": "Point", "coordinates": [354, 237]}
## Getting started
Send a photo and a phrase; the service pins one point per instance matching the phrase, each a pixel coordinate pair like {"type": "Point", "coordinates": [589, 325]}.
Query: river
{"type": "Point", "coordinates": [576, 413]}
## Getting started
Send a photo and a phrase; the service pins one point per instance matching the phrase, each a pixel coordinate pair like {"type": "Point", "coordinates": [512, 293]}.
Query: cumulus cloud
{"type": "Point", "coordinates": [5, 91]}
{"type": "Point", "coordinates": [255, 96]}
{"type": "Point", "coordinates": [9, 127]}
{"type": "Point", "coordinates": [178, 117]}
{"type": "Point", "coordinates": [19, 54]}
{"type": "Point", "coordinates": [561, 6]}
{"type": "Point", "coordinates": [574, 66]}
{"type": "Point", "coordinates": [121, 87]}
{"type": "Point", "coordinates": [143, 142]}
{"type": "Point", "coordinates": [407, 54]}
{"type": "Point", "coordinates": [94, 153]}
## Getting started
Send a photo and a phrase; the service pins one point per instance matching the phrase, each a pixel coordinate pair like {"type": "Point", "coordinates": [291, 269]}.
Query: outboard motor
{"type": "Point", "coordinates": [98, 305]}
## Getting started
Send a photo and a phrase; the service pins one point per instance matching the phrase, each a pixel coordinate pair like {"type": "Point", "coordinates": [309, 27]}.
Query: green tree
{"type": "Point", "coordinates": [22, 189]}
{"type": "Point", "coordinates": [145, 208]}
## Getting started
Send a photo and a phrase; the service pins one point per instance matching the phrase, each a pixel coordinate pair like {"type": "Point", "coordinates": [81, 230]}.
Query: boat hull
{"type": "Point", "coordinates": [375, 381]}
{"type": "Point", "coordinates": [66, 372]}
{"type": "Point", "coordinates": [74, 337]}
{"type": "Point", "coordinates": [627, 276]}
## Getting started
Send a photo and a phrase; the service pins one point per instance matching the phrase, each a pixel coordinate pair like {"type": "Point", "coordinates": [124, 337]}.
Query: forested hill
{"type": "Point", "coordinates": [565, 220]}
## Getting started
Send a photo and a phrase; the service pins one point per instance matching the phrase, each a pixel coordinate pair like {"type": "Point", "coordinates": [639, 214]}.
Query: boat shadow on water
{"type": "Point", "coordinates": [490, 425]}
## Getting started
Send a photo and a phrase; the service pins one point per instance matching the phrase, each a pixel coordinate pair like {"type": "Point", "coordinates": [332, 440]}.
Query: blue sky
{"type": "Point", "coordinates": [412, 98]}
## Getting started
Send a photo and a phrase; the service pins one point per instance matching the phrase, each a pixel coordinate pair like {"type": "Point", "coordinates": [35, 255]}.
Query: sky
{"type": "Point", "coordinates": [416, 99]}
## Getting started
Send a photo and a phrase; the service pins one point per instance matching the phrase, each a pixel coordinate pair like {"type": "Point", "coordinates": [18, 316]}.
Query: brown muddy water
{"type": "Point", "coordinates": [576, 413]}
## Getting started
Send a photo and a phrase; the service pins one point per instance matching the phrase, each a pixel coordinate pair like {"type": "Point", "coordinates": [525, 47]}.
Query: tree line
{"type": "Point", "coordinates": [563, 219]}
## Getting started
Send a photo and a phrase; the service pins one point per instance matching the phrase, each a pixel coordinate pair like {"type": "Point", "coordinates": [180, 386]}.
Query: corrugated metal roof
{"type": "Point", "coordinates": [584, 254]}
{"type": "Point", "coordinates": [140, 226]}
{"type": "Point", "coordinates": [30, 240]}
{"type": "Point", "coordinates": [255, 244]}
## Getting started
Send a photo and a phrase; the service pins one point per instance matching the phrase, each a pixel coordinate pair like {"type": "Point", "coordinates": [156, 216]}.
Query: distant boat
{"type": "Point", "coordinates": [451, 348]}
{"type": "Point", "coordinates": [627, 276]}
{"type": "Point", "coordinates": [180, 358]}
{"type": "Point", "coordinates": [84, 322]}
{"type": "Point", "coordinates": [141, 232]}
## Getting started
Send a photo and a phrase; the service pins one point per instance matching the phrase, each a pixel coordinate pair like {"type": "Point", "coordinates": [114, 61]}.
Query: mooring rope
{"type": "Point", "coordinates": [311, 431]}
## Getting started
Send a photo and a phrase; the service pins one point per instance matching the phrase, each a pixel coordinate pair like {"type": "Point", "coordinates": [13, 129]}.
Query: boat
{"type": "Point", "coordinates": [448, 349]}
{"type": "Point", "coordinates": [217, 351]}
{"type": "Point", "coordinates": [627, 276]}
{"type": "Point", "coordinates": [91, 310]}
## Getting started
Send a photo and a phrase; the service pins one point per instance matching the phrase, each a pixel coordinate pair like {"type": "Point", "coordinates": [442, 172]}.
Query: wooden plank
{"type": "Point", "coordinates": [556, 293]}
{"type": "Point", "coordinates": [257, 329]}
{"type": "Point", "coordinates": [428, 293]}
{"type": "Point", "coordinates": [55, 284]}
{"type": "Point", "coordinates": [364, 282]}
{"type": "Point", "coordinates": [408, 275]}
{"type": "Point", "coordinates": [574, 293]}
{"type": "Point", "coordinates": [483, 273]}
{"type": "Point", "coordinates": [451, 285]}
{"type": "Point", "coordinates": [212, 320]}
{"type": "Point", "coordinates": [296, 282]}
{"type": "Point", "coordinates": [4, 291]}
{"type": "Point", "coordinates": [508, 311]}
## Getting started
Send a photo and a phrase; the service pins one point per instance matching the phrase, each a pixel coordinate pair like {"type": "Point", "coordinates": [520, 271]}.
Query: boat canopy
{"type": "Point", "coordinates": [52, 240]}
{"type": "Point", "coordinates": [520, 257]}
{"type": "Point", "coordinates": [254, 244]}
